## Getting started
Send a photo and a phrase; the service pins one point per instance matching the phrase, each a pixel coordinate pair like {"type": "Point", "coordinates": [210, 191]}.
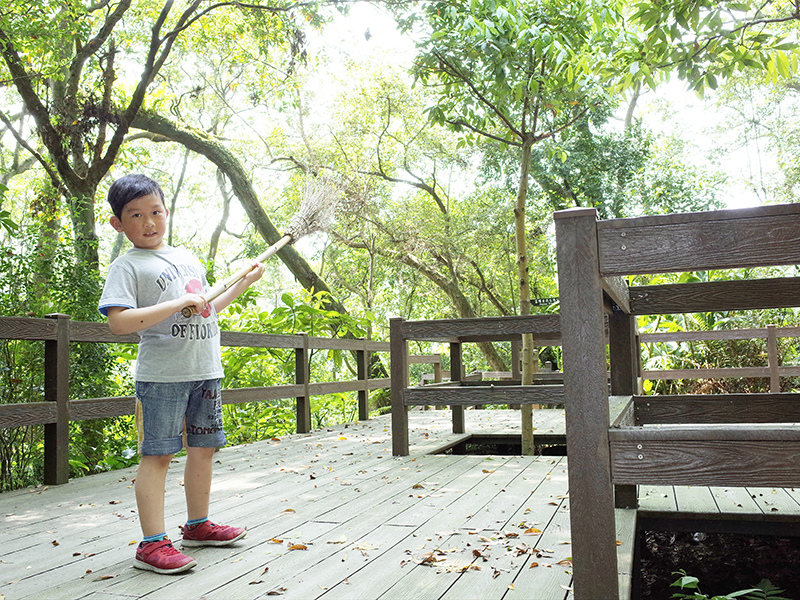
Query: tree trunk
{"type": "Point", "coordinates": [206, 145]}
{"type": "Point", "coordinates": [528, 355]}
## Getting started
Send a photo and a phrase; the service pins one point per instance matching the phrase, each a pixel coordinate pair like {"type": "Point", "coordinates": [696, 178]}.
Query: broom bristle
{"type": "Point", "coordinates": [317, 210]}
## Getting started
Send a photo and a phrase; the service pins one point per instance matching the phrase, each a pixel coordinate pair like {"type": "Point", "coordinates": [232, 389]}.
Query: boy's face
{"type": "Point", "coordinates": [144, 222]}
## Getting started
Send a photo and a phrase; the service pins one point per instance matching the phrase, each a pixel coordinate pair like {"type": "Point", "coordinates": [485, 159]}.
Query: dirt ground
{"type": "Point", "coordinates": [724, 563]}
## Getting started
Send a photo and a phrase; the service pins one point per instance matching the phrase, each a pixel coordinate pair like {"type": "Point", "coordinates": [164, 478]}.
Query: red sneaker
{"type": "Point", "coordinates": [211, 534]}
{"type": "Point", "coordinates": [162, 557]}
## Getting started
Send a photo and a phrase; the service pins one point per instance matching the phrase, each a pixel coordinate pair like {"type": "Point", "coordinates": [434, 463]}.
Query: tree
{"type": "Point", "coordinates": [64, 59]}
{"type": "Point", "coordinates": [515, 73]}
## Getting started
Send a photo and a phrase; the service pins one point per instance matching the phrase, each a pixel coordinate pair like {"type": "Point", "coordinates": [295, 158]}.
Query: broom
{"type": "Point", "coordinates": [315, 214]}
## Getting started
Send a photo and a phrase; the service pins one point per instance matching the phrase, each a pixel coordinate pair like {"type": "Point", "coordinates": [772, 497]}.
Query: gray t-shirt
{"type": "Point", "coordinates": [177, 349]}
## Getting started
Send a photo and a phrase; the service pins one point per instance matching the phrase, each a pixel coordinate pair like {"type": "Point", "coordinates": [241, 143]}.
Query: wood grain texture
{"type": "Point", "coordinates": [545, 327]}
{"type": "Point", "coordinates": [717, 408]}
{"type": "Point", "coordinates": [702, 243]}
{"type": "Point", "coordinates": [22, 328]}
{"type": "Point", "coordinates": [473, 396]}
{"type": "Point", "coordinates": [715, 295]}
{"type": "Point", "coordinates": [27, 413]}
{"type": "Point", "coordinates": [707, 462]}
{"type": "Point", "coordinates": [587, 410]}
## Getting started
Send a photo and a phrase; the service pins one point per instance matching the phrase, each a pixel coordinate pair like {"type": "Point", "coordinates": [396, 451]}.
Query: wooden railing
{"type": "Point", "coordinates": [774, 370]}
{"type": "Point", "coordinates": [704, 440]}
{"type": "Point", "coordinates": [58, 409]}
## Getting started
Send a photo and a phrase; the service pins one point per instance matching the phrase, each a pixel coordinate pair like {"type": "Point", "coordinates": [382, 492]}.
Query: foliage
{"type": "Point", "coordinates": [765, 590]}
{"type": "Point", "coordinates": [714, 353]}
{"type": "Point", "coordinates": [303, 312]}
{"type": "Point", "coordinates": [40, 274]}
{"type": "Point", "coordinates": [703, 42]}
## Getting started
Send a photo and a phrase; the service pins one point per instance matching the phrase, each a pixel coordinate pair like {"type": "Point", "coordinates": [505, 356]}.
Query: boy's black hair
{"type": "Point", "coordinates": [130, 187]}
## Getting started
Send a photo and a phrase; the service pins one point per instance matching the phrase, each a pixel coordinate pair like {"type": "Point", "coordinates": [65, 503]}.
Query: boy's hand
{"type": "Point", "coordinates": [194, 302]}
{"type": "Point", "coordinates": [254, 274]}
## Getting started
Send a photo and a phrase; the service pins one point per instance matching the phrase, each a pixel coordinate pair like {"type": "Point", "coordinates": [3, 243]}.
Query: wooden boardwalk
{"type": "Point", "coordinates": [331, 514]}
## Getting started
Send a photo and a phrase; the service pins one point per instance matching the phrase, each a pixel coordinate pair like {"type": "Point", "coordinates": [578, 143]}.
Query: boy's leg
{"type": "Point", "coordinates": [150, 483]}
{"type": "Point", "coordinates": [197, 481]}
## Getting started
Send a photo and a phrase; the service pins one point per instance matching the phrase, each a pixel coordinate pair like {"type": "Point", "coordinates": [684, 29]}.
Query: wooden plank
{"type": "Point", "coordinates": [487, 394]}
{"type": "Point", "coordinates": [485, 329]}
{"type": "Point", "coordinates": [587, 412]}
{"type": "Point", "coordinates": [27, 413]}
{"type": "Point", "coordinates": [715, 295]}
{"type": "Point", "coordinates": [657, 498]}
{"type": "Point", "coordinates": [717, 408]}
{"type": "Point", "coordinates": [772, 210]}
{"type": "Point", "coordinates": [399, 374]}
{"type": "Point", "coordinates": [626, 545]}
{"type": "Point", "coordinates": [255, 340]}
{"type": "Point", "coordinates": [23, 328]}
{"type": "Point", "coordinates": [100, 408]}
{"type": "Point", "coordinates": [84, 331]}
{"type": "Point", "coordinates": [717, 334]}
{"type": "Point", "coordinates": [706, 462]}
{"type": "Point", "coordinates": [734, 500]}
{"type": "Point", "coordinates": [759, 432]}
{"type": "Point", "coordinates": [702, 242]}
{"type": "Point", "coordinates": [616, 288]}
{"type": "Point", "coordinates": [695, 499]}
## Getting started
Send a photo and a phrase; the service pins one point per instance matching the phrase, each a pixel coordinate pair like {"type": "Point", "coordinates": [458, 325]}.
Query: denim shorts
{"type": "Point", "coordinates": [171, 415]}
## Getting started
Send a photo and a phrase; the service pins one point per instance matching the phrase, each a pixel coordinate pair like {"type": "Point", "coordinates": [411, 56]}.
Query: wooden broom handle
{"type": "Point", "coordinates": [215, 291]}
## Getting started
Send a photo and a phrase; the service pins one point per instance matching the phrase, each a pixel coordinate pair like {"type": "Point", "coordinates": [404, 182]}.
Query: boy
{"type": "Point", "coordinates": [178, 369]}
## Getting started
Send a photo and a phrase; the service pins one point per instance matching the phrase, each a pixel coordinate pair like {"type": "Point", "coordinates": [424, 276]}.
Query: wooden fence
{"type": "Point", "coordinates": [58, 409]}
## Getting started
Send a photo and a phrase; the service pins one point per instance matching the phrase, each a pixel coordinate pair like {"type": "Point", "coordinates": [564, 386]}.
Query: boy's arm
{"type": "Point", "coordinates": [222, 301]}
{"type": "Point", "coordinates": [123, 320]}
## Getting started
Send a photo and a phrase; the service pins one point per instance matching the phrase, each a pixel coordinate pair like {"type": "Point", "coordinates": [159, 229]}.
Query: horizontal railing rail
{"type": "Point", "coordinates": [57, 409]}
{"type": "Point", "coordinates": [773, 371]}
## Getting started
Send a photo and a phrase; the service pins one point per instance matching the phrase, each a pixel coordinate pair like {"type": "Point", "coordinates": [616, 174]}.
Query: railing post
{"type": "Point", "coordinates": [457, 374]}
{"type": "Point", "coordinates": [772, 356]}
{"type": "Point", "coordinates": [362, 360]}
{"type": "Point", "coordinates": [399, 371]}
{"type": "Point", "coordinates": [56, 389]}
{"type": "Point", "coordinates": [623, 352]}
{"type": "Point", "coordinates": [302, 375]}
{"type": "Point", "coordinates": [591, 494]}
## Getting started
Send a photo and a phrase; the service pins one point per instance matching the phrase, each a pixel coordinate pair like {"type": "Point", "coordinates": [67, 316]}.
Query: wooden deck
{"type": "Point", "coordinates": [331, 514]}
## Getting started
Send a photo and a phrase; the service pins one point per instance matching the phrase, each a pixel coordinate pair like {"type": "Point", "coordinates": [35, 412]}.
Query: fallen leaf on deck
{"type": "Point", "coordinates": [115, 502]}
{"type": "Point", "coordinates": [365, 546]}
{"type": "Point", "coordinates": [276, 541]}
{"type": "Point", "coordinates": [619, 543]}
{"type": "Point", "coordinates": [567, 562]}
{"type": "Point", "coordinates": [277, 592]}
{"type": "Point", "coordinates": [55, 542]}
{"type": "Point", "coordinates": [533, 564]}
{"type": "Point", "coordinates": [488, 471]}
{"type": "Point", "coordinates": [429, 559]}
{"type": "Point", "coordinates": [341, 540]}
{"type": "Point", "coordinates": [256, 582]}
{"type": "Point", "coordinates": [103, 577]}
{"type": "Point", "coordinates": [298, 547]}
{"type": "Point", "coordinates": [417, 486]}
{"type": "Point", "coordinates": [532, 531]}
{"type": "Point", "coordinates": [290, 510]}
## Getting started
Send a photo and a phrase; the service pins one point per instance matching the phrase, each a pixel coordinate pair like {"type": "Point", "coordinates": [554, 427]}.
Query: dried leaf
{"type": "Point", "coordinates": [277, 591]}
{"type": "Point", "coordinates": [417, 486]}
{"type": "Point", "coordinates": [567, 562]}
{"type": "Point", "coordinates": [290, 510]}
{"type": "Point", "coordinates": [276, 541]}
{"type": "Point", "coordinates": [533, 564]}
{"type": "Point", "coordinates": [298, 547]}
{"type": "Point", "coordinates": [115, 502]}
{"type": "Point", "coordinates": [103, 577]}
{"type": "Point", "coordinates": [488, 471]}
{"type": "Point", "coordinates": [532, 531]}
{"type": "Point", "coordinates": [55, 542]}
{"type": "Point", "coordinates": [341, 540]}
